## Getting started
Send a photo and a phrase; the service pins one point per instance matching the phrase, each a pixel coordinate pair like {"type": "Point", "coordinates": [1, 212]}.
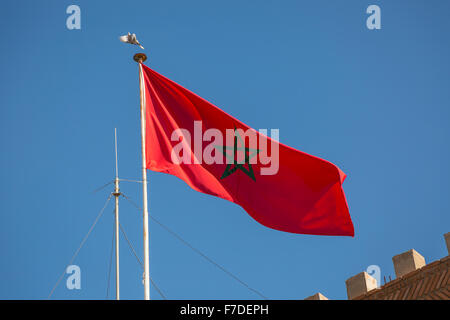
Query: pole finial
{"type": "Point", "coordinates": [139, 57]}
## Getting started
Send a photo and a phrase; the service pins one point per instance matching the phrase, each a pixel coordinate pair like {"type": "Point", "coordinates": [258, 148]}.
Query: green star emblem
{"type": "Point", "coordinates": [248, 153]}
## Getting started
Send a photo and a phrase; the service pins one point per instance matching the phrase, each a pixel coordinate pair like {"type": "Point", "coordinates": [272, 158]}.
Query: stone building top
{"type": "Point", "coordinates": [415, 280]}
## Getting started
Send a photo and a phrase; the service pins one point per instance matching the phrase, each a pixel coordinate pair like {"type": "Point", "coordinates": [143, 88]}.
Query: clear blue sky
{"type": "Point", "coordinates": [375, 103]}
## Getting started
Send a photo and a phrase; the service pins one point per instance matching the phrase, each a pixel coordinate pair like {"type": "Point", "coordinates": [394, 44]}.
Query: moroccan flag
{"type": "Point", "coordinates": [214, 153]}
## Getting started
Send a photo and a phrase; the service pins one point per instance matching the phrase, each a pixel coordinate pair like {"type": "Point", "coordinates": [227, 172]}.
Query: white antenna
{"type": "Point", "coordinates": [116, 194]}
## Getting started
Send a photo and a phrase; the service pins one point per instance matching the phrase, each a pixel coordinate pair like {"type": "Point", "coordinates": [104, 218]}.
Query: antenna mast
{"type": "Point", "coordinates": [116, 194]}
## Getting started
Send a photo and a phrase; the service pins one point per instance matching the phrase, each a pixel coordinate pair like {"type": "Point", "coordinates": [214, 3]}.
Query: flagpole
{"type": "Point", "coordinates": [140, 58]}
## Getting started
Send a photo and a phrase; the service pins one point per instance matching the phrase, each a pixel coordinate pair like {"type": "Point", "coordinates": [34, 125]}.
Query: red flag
{"type": "Point", "coordinates": [280, 187]}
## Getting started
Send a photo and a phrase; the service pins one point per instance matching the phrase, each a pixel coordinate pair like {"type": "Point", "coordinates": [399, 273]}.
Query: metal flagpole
{"type": "Point", "coordinates": [116, 194]}
{"type": "Point", "coordinates": [140, 58]}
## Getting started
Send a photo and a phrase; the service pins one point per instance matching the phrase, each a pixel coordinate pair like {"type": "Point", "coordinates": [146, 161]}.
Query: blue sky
{"type": "Point", "coordinates": [374, 102]}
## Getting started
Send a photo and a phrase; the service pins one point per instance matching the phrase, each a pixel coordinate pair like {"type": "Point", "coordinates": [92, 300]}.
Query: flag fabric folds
{"type": "Point", "coordinates": [300, 193]}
